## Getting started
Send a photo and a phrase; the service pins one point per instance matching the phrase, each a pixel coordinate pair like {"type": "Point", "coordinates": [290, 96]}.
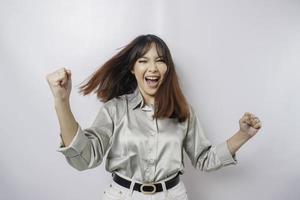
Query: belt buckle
{"type": "Point", "coordinates": [147, 185]}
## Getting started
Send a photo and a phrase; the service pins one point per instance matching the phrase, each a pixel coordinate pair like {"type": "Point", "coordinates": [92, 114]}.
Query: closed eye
{"type": "Point", "coordinates": [142, 61]}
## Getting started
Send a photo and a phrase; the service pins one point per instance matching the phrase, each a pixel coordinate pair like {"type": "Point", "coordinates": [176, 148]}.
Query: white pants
{"type": "Point", "coordinates": [114, 191]}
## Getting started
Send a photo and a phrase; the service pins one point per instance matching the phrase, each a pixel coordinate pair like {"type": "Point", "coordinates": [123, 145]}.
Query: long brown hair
{"type": "Point", "coordinates": [114, 78]}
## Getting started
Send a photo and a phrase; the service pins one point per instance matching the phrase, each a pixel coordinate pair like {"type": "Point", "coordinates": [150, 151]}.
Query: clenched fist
{"type": "Point", "coordinates": [60, 83]}
{"type": "Point", "coordinates": [249, 124]}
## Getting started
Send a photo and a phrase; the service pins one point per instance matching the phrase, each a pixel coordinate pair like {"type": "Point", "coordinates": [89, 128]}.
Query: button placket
{"type": "Point", "coordinates": [150, 169]}
{"type": "Point", "coordinates": [151, 149]}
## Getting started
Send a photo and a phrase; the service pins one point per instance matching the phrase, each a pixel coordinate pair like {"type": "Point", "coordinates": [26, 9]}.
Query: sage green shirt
{"type": "Point", "coordinates": [142, 148]}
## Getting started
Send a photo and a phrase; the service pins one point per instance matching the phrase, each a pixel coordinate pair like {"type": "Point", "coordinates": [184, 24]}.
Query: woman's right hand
{"type": "Point", "coordinates": [60, 83]}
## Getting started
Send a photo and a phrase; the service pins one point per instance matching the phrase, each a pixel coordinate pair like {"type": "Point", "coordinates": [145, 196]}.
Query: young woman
{"type": "Point", "coordinates": [144, 125]}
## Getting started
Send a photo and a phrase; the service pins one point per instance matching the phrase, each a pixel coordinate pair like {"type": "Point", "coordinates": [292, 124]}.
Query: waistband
{"type": "Point", "coordinates": [147, 188]}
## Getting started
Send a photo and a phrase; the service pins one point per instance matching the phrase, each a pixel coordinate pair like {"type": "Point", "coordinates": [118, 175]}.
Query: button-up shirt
{"type": "Point", "coordinates": [140, 147]}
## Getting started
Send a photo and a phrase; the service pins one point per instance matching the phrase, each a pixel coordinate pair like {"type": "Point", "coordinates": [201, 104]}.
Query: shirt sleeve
{"type": "Point", "coordinates": [89, 145]}
{"type": "Point", "coordinates": [203, 155]}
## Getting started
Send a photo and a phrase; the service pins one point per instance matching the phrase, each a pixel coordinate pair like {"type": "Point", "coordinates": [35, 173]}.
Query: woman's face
{"type": "Point", "coordinates": [149, 71]}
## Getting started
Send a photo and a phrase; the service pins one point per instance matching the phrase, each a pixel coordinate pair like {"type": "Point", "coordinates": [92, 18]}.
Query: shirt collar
{"type": "Point", "coordinates": [136, 99]}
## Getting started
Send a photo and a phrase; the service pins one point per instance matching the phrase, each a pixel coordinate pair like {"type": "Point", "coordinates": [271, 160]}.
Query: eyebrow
{"type": "Point", "coordinates": [156, 57]}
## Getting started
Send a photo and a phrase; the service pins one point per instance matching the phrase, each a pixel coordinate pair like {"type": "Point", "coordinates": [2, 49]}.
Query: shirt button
{"type": "Point", "coordinates": [151, 161]}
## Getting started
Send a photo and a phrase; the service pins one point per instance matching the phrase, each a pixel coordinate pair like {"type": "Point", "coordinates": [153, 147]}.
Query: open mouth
{"type": "Point", "coordinates": [152, 81]}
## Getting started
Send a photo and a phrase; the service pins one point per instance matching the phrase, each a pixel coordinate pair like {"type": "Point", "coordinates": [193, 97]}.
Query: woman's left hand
{"type": "Point", "coordinates": [250, 124]}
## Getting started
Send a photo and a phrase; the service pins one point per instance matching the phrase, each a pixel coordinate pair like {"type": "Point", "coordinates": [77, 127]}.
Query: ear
{"type": "Point", "coordinates": [132, 71]}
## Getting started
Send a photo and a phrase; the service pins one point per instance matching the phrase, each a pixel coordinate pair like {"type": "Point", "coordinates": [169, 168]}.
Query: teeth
{"type": "Point", "coordinates": [152, 78]}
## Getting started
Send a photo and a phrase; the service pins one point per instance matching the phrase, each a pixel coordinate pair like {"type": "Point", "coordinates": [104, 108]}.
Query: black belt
{"type": "Point", "coordinates": [147, 188]}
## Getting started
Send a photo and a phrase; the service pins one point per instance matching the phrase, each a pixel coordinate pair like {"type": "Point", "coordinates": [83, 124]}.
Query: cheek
{"type": "Point", "coordinates": [163, 69]}
{"type": "Point", "coordinates": [137, 71]}
{"type": "Point", "coordinates": [139, 75]}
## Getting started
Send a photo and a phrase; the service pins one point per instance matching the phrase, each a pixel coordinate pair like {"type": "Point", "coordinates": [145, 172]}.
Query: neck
{"type": "Point", "coordinates": [149, 100]}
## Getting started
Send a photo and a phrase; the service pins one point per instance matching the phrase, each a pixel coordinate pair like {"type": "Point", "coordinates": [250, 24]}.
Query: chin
{"type": "Point", "coordinates": [151, 93]}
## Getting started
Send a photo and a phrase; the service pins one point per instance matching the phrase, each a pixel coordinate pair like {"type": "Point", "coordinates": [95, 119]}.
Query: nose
{"type": "Point", "coordinates": [152, 67]}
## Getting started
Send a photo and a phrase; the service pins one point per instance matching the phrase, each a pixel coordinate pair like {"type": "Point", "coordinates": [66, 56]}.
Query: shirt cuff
{"type": "Point", "coordinates": [76, 146]}
{"type": "Point", "coordinates": [224, 154]}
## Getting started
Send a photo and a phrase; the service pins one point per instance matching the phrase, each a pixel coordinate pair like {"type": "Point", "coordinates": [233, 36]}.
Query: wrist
{"type": "Point", "coordinates": [237, 140]}
{"type": "Point", "coordinates": [244, 135]}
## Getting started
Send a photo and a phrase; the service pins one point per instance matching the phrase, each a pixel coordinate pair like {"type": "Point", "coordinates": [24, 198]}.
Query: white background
{"type": "Point", "coordinates": [231, 57]}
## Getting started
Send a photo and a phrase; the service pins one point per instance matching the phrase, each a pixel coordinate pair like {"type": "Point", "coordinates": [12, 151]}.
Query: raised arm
{"type": "Point", "coordinates": [60, 84]}
{"type": "Point", "coordinates": [83, 148]}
